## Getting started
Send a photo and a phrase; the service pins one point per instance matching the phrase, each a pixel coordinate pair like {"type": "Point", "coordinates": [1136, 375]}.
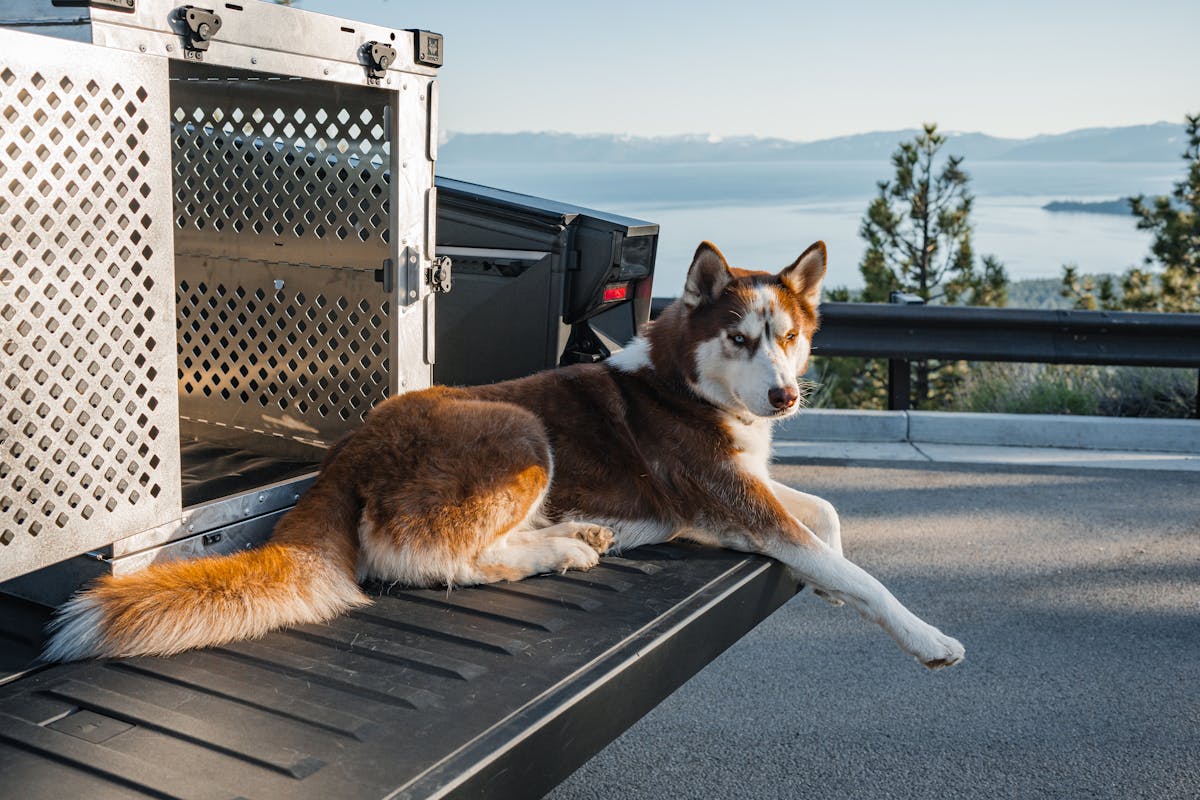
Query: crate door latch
{"type": "Point", "coordinates": [438, 274]}
{"type": "Point", "coordinates": [379, 57]}
{"type": "Point", "coordinates": [200, 27]}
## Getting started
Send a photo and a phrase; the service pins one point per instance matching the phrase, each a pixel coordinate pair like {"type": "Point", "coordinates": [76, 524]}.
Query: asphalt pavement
{"type": "Point", "coordinates": [1076, 593]}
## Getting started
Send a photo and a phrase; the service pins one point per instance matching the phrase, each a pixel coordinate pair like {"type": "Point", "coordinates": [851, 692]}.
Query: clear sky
{"type": "Point", "coordinates": [804, 70]}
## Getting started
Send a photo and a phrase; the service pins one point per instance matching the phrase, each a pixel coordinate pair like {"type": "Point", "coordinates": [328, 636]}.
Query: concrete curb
{"type": "Point", "coordinates": [1007, 430]}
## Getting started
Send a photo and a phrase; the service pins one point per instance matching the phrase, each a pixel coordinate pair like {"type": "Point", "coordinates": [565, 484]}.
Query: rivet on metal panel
{"type": "Point", "coordinates": [253, 59]}
{"type": "Point", "coordinates": [262, 498]}
{"type": "Point", "coordinates": [170, 48]}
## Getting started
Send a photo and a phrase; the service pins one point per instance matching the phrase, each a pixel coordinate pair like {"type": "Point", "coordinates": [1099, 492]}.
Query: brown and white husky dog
{"type": "Point", "coordinates": [458, 486]}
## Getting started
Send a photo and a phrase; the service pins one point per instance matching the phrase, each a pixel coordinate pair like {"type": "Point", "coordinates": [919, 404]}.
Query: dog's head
{"type": "Point", "coordinates": [751, 332]}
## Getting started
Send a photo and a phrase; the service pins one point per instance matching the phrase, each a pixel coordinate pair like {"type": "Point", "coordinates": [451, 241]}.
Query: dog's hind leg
{"type": "Point", "coordinates": [462, 505]}
{"type": "Point", "coordinates": [557, 548]}
{"type": "Point", "coordinates": [598, 537]}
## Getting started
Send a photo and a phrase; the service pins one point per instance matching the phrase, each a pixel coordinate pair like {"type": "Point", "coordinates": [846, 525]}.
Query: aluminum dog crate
{"type": "Point", "coordinates": [251, 183]}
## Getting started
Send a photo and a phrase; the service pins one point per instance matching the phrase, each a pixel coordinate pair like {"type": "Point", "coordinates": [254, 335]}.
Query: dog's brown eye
{"type": "Point", "coordinates": [791, 337]}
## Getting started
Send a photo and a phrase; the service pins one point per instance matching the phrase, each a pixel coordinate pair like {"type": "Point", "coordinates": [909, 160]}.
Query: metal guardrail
{"type": "Point", "coordinates": [906, 333]}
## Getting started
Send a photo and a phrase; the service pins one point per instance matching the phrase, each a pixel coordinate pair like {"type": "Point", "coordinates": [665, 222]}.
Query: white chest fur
{"type": "Point", "coordinates": [753, 446]}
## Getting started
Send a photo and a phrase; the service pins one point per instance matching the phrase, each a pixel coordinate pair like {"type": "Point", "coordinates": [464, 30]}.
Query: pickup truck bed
{"type": "Point", "coordinates": [497, 691]}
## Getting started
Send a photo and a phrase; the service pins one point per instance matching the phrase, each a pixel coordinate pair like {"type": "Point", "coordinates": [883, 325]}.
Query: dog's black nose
{"type": "Point", "coordinates": [783, 397]}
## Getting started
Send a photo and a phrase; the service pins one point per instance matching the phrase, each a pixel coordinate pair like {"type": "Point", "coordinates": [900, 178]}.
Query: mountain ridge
{"type": "Point", "coordinates": [1154, 142]}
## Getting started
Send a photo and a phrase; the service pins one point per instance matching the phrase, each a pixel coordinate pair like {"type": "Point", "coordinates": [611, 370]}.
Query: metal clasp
{"type": "Point", "coordinates": [202, 26]}
{"type": "Point", "coordinates": [438, 274]}
{"type": "Point", "coordinates": [379, 58]}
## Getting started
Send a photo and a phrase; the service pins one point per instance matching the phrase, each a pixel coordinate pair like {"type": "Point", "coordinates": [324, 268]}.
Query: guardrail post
{"type": "Point", "coordinates": [900, 370]}
{"type": "Point", "coordinates": [899, 385]}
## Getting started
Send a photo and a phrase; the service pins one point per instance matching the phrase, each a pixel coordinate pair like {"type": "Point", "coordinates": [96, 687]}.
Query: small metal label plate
{"type": "Point", "coordinates": [429, 48]}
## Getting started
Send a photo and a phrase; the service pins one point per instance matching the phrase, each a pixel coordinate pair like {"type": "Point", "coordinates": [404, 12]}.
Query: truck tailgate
{"type": "Point", "coordinates": [495, 691]}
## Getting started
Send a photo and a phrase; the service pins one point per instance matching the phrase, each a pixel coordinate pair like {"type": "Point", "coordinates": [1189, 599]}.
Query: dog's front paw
{"type": "Point", "coordinates": [941, 651]}
{"type": "Point", "coordinates": [578, 554]}
{"type": "Point", "coordinates": [597, 537]}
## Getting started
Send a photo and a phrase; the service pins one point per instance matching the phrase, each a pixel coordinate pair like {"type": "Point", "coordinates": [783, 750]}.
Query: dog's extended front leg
{"type": "Point", "coordinates": [817, 564]}
{"type": "Point", "coordinates": [818, 515]}
{"type": "Point", "coordinates": [762, 524]}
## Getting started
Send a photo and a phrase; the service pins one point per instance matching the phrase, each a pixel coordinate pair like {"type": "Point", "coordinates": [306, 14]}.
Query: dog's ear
{"type": "Point", "coordinates": [804, 276]}
{"type": "Point", "coordinates": [707, 277]}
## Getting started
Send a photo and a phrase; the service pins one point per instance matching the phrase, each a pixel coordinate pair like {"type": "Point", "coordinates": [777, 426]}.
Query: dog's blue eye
{"type": "Point", "coordinates": [737, 338]}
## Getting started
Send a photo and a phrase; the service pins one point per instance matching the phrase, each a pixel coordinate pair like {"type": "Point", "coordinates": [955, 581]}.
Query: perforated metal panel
{"type": "Point", "coordinates": [281, 350]}
{"type": "Point", "coordinates": [88, 414]}
{"type": "Point", "coordinates": [281, 209]}
{"type": "Point", "coordinates": [280, 169]}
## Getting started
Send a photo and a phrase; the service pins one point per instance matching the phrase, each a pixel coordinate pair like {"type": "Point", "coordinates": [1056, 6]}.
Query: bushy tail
{"type": "Point", "coordinates": [305, 574]}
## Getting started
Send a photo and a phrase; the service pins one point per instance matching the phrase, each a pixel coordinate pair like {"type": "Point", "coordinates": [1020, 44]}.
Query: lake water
{"type": "Point", "coordinates": [763, 215]}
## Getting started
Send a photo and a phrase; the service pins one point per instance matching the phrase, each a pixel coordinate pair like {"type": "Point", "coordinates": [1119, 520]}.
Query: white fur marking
{"type": "Point", "coordinates": [753, 442]}
{"type": "Point", "coordinates": [76, 631]}
{"type": "Point", "coordinates": [552, 549]}
{"type": "Point", "coordinates": [815, 513]}
{"type": "Point", "coordinates": [817, 565]}
{"type": "Point", "coordinates": [741, 385]}
{"type": "Point", "coordinates": [635, 356]}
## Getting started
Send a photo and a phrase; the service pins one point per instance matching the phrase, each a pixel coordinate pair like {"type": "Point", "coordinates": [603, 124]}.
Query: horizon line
{"type": "Point", "coordinates": [717, 138]}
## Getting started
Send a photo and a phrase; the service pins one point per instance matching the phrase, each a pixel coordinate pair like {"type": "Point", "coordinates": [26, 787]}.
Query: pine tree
{"type": "Point", "coordinates": [1091, 292]}
{"type": "Point", "coordinates": [918, 234]}
{"type": "Point", "coordinates": [1170, 278]}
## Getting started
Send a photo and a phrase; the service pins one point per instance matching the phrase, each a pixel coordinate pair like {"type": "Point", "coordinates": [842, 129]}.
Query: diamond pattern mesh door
{"type": "Point", "coordinates": [280, 169]}
{"type": "Point", "coordinates": [271, 352]}
{"type": "Point", "coordinates": [89, 442]}
{"type": "Point", "coordinates": [281, 208]}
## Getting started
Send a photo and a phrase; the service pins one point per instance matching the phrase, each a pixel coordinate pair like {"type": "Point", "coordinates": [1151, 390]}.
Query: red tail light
{"type": "Point", "coordinates": [616, 291]}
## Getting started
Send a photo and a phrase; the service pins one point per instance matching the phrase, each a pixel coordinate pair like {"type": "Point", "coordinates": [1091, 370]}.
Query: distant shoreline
{"type": "Point", "coordinates": [1119, 206]}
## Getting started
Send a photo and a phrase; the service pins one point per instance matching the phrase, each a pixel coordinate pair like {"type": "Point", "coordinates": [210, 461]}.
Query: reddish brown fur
{"type": "Point", "coordinates": [440, 470]}
{"type": "Point", "coordinates": [446, 471]}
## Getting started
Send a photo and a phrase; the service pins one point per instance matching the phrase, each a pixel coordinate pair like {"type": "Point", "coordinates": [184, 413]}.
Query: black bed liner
{"type": "Point", "coordinates": [497, 691]}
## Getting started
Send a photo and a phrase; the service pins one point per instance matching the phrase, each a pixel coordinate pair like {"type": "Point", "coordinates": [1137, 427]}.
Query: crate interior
{"type": "Point", "coordinates": [281, 218]}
